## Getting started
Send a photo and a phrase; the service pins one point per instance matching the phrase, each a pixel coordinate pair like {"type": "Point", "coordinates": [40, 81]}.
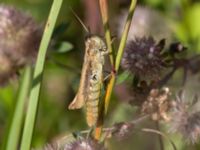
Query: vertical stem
{"type": "Point", "coordinates": [38, 72]}
{"type": "Point", "coordinates": [125, 34]}
{"type": "Point", "coordinates": [16, 126]}
{"type": "Point", "coordinates": [122, 44]}
{"type": "Point", "coordinates": [104, 15]}
{"type": "Point", "coordinates": [159, 137]}
{"type": "Point", "coordinates": [119, 53]}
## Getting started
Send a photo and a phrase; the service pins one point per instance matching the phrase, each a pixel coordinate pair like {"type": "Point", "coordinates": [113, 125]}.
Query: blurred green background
{"type": "Point", "coordinates": [59, 83]}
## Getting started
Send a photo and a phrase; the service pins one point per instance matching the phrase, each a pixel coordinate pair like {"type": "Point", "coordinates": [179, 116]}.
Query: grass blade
{"type": "Point", "coordinates": [35, 91]}
{"type": "Point", "coordinates": [16, 126]}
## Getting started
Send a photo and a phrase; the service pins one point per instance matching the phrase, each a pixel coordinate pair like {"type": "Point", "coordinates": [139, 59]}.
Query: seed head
{"type": "Point", "coordinates": [185, 119]}
{"type": "Point", "coordinates": [158, 104]}
{"type": "Point", "coordinates": [51, 147]}
{"type": "Point", "coordinates": [123, 130]}
{"type": "Point", "coordinates": [142, 57]}
{"type": "Point", "coordinates": [85, 144]}
{"type": "Point", "coordinates": [19, 41]}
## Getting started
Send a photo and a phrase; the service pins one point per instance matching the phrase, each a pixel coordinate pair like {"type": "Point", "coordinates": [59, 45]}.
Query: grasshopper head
{"type": "Point", "coordinates": [96, 44]}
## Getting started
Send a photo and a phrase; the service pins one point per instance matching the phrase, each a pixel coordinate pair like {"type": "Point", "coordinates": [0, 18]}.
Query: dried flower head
{"type": "Point", "coordinates": [51, 147]}
{"type": "Point", "coordinates": [122, 130]}
{"type": "Point", "coordinates": [85, 144]}
{"type": "Point", "coordinates": [158, 104]}
{"type": "Point", "coordinates": [19, 41]}
{"type": "Point", "coordinates": [143, 58]}
{"type": "Point", "coordinates": [185, 118]}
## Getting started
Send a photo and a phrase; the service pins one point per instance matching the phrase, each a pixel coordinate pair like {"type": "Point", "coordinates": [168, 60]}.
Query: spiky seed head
{"type": "Point", "coordinates": [19, 41]}
{"type": "Point", "coordinates": [85, 144]}
{"type": "Point", "coordinates": [51, 147]}
{"type": "Point", "coordinates": [185, 119]}
{"type": "Point", "coordinates": [143, 58]}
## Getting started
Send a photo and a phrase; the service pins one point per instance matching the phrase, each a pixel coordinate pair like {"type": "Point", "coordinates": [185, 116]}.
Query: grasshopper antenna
{"type": "Point", "coordinates": [80, 21]}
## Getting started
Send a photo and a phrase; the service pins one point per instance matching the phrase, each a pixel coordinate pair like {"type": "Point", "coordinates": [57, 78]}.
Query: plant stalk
{"type": "Point", "coordinates": [16, 126]}
{"type": "Point", "coordinates": [37, 77]}
{"type": "Point", "coordinates": [122, 44]}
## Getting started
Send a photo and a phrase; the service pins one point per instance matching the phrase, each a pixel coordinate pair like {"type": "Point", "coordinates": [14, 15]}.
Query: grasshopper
{"type": "Point", "coordinates": [91, 78]}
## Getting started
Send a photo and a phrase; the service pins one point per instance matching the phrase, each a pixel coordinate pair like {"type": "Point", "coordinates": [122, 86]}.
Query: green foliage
{"type": "Point", "coordinates": [18, 116]}
{"type": "Point", "coordinates": [37, 77]}
{"type": "Point", "coordinates": [63, 47]}
{"type": "Point", "coordinates": [122, 77]}
{"type": "Point", "coordinates": [187, 27]}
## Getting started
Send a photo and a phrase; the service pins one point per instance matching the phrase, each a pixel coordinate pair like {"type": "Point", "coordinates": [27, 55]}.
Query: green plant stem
{"type": "Point", "coordinates": [161, 134]}
{"type": "Point", "coordinates": [109, 89]}
{"type": "Point", "coordinates": [38, 72]}
{"type": "Point", "coordinates": [16, 126]}
{"type": "Point", "coordinates": [120, 53]}
{"type": "Point", "coordinates": [104, 15]}
{"type": "Point", "coordinates": [125, 34]}
{"type": "Point", "coordinates": [161, 143]}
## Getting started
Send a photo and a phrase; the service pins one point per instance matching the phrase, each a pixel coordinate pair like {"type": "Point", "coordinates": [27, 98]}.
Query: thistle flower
{"type": "Point", "coordinates": [158, 104]}
{"type": "Point", "coordinates": [19, 41]}
{"type": "Point", "coordinates": [85, 144]}
{"type": "Point", "coordinates": [143, 58]}
{"type": "Point", "coordinates": [185, 119]}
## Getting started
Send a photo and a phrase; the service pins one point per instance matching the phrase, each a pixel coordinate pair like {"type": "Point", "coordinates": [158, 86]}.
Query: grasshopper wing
{"type": "Point", "coordinates": [80, 97]}
{"type": "Point", "coordinates": [77, 103]}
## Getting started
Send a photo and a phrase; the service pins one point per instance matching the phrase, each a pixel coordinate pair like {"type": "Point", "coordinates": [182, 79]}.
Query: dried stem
{"type": "Point", "coordinates": [159, 137]}
{"type": "Point", "coordinates": [104, 14]}
{"type": "Point", "coordinates": [107, 131]}
{"type": "Point", "coordinates": [161, 134]}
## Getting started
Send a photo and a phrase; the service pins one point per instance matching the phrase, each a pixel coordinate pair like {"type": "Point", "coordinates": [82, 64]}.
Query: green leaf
{"type": "Point", "coordinates": [64, 47]}
{"type": "Point", "coordinates": [17, 120]}
{"type": "Point", "coordinates": [122, 77]}
{"type": "Point", "coordinates": [37, 77]}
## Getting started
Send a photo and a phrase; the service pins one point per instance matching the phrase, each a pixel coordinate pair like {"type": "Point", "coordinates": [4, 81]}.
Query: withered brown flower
{"type": "Point", "coordinates": [20, 36]}
{"type": "Point", "coordinates": [158, 104]}
{"type": "Point", "coordinates": [85, 144]}
{"type": "Point", "coordinates": [51, 147]}
{"type": "Point", "coordinates": [143, 58]}
{"type": "Point", "coordinates": [186, 118]}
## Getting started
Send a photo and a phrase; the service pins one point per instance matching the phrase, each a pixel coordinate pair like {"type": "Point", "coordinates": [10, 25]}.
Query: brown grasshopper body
{"type": "Point", "coordinates": [91, 79]}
